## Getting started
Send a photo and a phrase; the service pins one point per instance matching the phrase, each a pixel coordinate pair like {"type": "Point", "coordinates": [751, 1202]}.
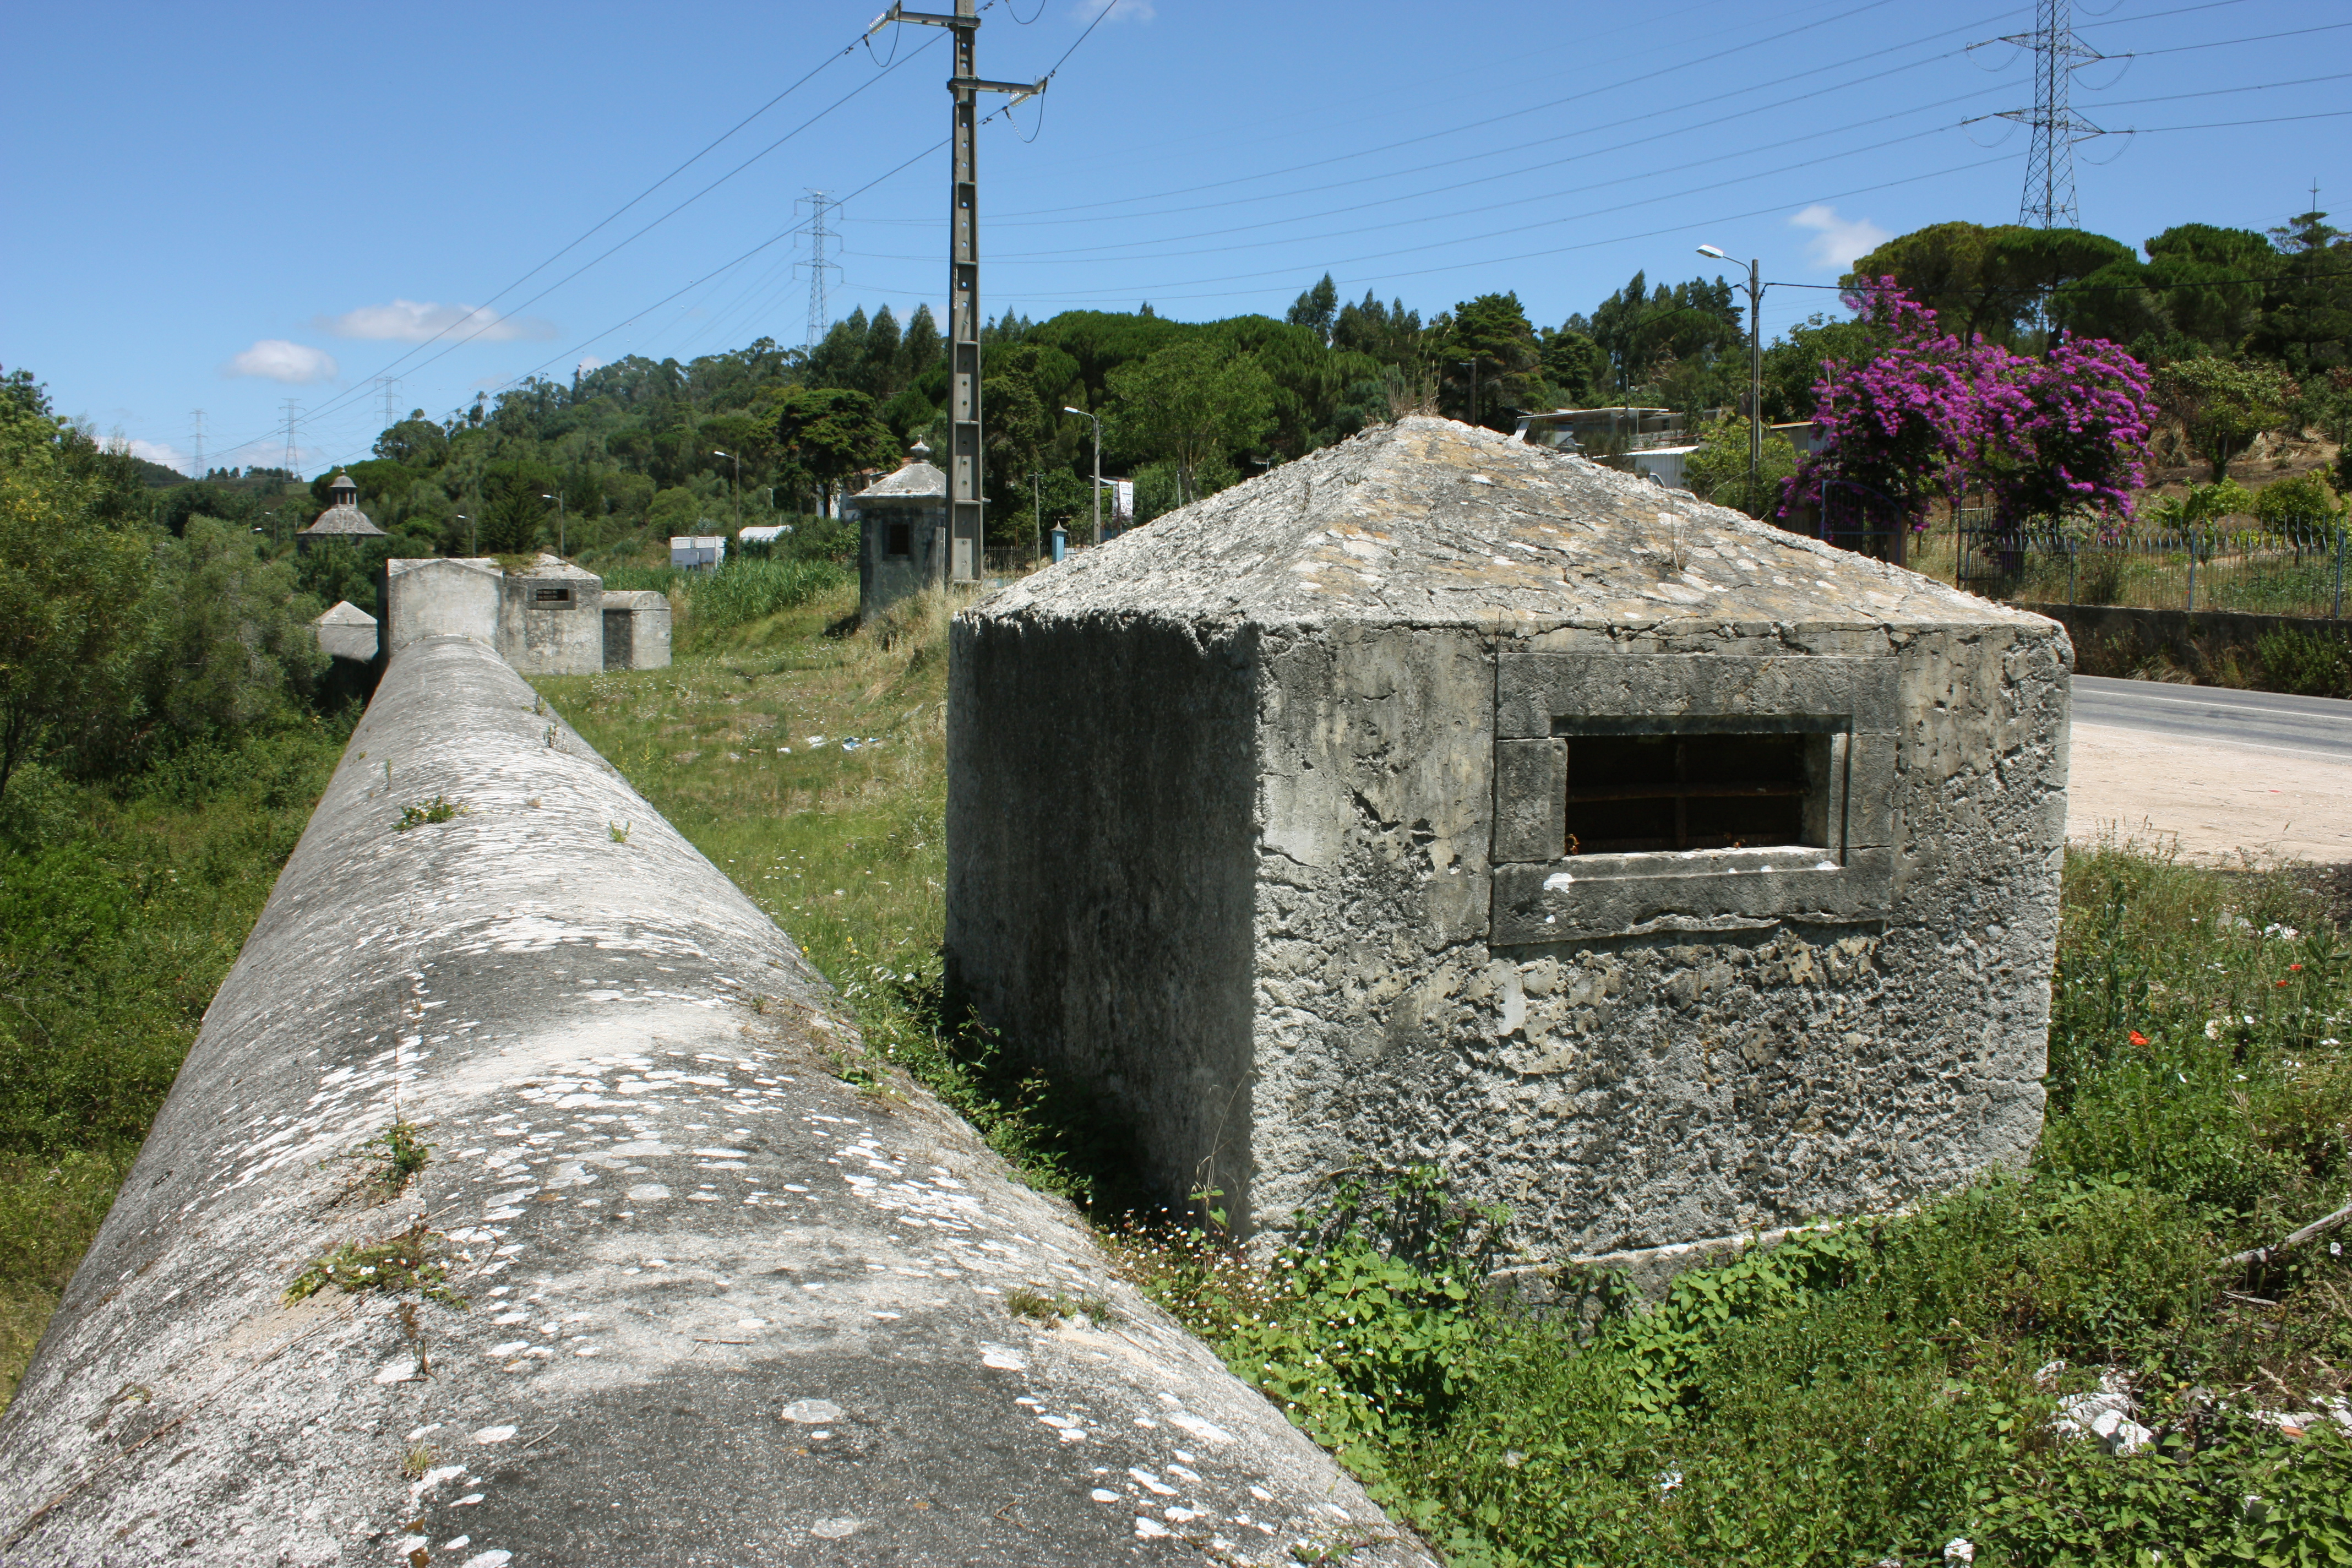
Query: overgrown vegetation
{"type": "Point", "coordinates": [1872, 1393]}
{"type": "Point", "coordinates": [167, 734]}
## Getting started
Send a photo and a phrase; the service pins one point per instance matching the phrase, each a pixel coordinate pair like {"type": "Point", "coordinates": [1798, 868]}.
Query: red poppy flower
{"type": "Point", "coordinates": [2138, 1038]}
{"type": "Point", "coordinates": [2295, 966]}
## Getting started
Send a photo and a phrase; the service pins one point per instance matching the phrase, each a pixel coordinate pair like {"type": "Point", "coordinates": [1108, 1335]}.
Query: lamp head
{"type": "Point", "coordinates": [1715, 250]}
{"type": "Point", "coordinates": [1079, 412]}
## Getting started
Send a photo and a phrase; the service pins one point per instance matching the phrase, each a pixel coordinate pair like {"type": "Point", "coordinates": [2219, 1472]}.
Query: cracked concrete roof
{"type": "Point", "coordinates": [1430, 522]}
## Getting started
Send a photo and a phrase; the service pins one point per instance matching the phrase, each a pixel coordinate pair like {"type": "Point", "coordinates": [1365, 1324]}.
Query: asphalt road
{"type": "Point", "coordinates": [2314, 727]}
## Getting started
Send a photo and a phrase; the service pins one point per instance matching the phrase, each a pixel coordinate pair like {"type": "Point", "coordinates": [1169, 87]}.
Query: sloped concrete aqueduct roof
{"type": "Point", "coordinates": [723, 1308]}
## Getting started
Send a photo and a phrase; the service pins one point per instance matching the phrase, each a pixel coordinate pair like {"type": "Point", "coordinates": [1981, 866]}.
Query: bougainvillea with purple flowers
{"type": "Point", "coordinates": [2058, 436]}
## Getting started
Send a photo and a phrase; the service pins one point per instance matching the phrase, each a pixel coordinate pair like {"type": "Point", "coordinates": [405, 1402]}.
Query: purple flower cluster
{"type": "Point", "coordinates": [2058, 436]}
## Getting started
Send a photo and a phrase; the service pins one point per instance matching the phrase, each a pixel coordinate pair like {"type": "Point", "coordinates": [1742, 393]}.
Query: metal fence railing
{"type": "Point", "coordinates": [2294, 569]}
{"type": "Point", "coordinates": [2287, 570]}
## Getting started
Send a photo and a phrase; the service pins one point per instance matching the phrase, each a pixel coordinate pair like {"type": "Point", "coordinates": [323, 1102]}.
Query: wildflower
{"type": "Point", "coordinates": [2295, 966]}
{"type": "Point", "coordinates": [2212, 1028]}
{"type": "Point", "coordinates": [2138, 1038]}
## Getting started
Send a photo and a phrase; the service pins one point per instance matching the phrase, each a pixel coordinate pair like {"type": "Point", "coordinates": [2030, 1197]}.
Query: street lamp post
{"type": "Point", "coordinates": [738, 487]}
{"type": "Point", "coordinates": [1755, 370]}
{"type": "Point", "coordinates": [472, 545]}
{"type": "Point", "coordinates": [1098, 419]}
{"type": "Point", "coordinates": [559, 519]}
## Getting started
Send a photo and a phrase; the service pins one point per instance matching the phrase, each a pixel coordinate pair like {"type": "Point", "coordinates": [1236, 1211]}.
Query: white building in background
{"type": "Point", "coordinates": [702, 552]}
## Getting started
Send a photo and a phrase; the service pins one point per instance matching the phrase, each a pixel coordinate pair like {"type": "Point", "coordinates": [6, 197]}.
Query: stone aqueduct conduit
{"type": "Point", "coordinates": [720, 1307]}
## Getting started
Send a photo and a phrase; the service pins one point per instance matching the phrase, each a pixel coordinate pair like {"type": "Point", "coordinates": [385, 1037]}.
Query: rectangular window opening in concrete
{"type": "Point", "coordinates": [901, 540]}
{"type": "Point", "coordinates": [1631, 792]}
{"type": "Point", "coordinates": [1642, 793]}
{"type": "Point", "coordinates": [554, 598]}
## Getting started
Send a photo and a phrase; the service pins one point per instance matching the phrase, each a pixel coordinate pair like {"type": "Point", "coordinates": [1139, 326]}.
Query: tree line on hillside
{"type": "Point", "coordinates": [630, 452]}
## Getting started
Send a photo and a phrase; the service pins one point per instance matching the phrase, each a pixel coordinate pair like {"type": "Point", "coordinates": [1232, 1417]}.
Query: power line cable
{"type": "Point", "coordinates": [336, 402]}
{"type": "Point", "coordinates": [707, 277]}
{"type": "Point", "coordinates": [1093, 216]}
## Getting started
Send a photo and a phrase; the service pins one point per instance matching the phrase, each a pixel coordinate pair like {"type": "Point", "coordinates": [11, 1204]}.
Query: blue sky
{"type": "Point", "coordinates": [225, 208]}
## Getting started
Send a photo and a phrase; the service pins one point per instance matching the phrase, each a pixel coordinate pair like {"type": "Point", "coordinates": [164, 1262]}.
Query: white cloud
{"type": "Point", "coordinates": [416, 322]}
{"type": "Point", "coordinates": [589, 363]}
{"type": "Point", "coordinates": [161, 452]}
{"type": "Point", "coordinates": [294, 364]}
{"type": "Point", "coordinates": [1121, 10]}
{"type": "Point", "coordinates": [1838, 242]}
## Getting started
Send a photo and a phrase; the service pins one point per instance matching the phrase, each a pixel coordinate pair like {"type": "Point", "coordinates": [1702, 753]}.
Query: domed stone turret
{"type": "Point", "coordinates": [343, 519]}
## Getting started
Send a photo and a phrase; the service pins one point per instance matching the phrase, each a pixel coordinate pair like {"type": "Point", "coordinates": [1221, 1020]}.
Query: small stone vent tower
{"type": "Point", "coordinates": [1441, 799]}
{"type": "Point", "coordinates": [343, 519]}
{"type": "Point", "coordinates": [902, 533]}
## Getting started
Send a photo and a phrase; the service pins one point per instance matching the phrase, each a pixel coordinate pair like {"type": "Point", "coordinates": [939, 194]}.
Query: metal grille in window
{"type": "Point", "coordinates": [1633, 793]}
{"type": "Point", "coordinates": [902, 540]}
{"type": "Point", "coordinates": [552, 595]}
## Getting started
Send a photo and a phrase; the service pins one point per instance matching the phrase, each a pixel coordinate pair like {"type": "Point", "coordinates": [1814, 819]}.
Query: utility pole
{"type": "Point", "coordinates": [1098, 419]}
{"type": "Point", "coordinates": [1471, 364]}
{"type": "Point", "coordinates": [391, 386]}
{"type": "Point", "coordinates": [293, 407]}
{"type": "Point", "coordinates": [197, 462]}
{"type": "Point", "coordinates": [1755, 370]}
{"type": "Point", "coordinates": [820, 316]}
{"type": "Point", "coordinates": [1037, 510]}
{"type": "Point", "coordinates": [964, 278]}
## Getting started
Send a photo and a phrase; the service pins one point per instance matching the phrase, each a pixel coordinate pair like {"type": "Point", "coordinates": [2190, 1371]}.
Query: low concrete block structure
{"type": "Point", "coordinates": [1438, 798]}
{"type": "Point", "coordinates": [722, 1307]}
{"type": "Point", "coordinates": [346, 631]}
{"type": "Point", "coordinates": [438, 597]}
{"type": "Point", "coordinates": [550, 618]}
{"type": "Point", "coordinates": [637, 629]}
{"type": "Point", "coordinates": [902, 533]}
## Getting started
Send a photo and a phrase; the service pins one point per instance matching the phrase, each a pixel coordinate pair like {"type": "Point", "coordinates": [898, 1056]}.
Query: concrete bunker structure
{"type": "Point", "coordinates": [720, 1306]}
{"type": "Point", "coordinates": [551, 618]}
{"type": "Point", "coordinates": [346, 631]}
{"type": "Point", "coordinates": [548, 618]}
{"type": "Point", "coordinates": [1438, 798]}
{"type": "Point", "coordinates": [902, 533]}
{"type": "Point", "coordinates": [637, 629]}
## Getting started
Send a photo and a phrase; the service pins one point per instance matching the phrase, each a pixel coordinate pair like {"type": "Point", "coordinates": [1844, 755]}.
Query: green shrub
{"type": "Point", "coordinates": [2311, 663]}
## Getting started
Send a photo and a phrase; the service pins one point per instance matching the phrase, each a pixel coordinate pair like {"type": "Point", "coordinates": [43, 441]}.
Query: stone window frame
{"type": "Point", "coordinates": [1543, 700]}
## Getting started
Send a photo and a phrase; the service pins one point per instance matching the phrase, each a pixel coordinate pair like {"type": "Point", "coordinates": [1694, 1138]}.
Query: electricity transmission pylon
{"type": "Point", "coordinates": [2058, 54]}
{"type": "Point", "coordinates": [820, 316]}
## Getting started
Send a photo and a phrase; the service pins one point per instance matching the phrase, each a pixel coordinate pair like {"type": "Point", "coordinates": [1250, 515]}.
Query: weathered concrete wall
{"type": "Point", "coordinates": [884, 578]}
{"type": "Point", "coordinates": [722, 1307]}
{"type": "Point", "coordinates": [438, 597]}
{"type": "Point", "coordinates": [551, 619]}
{"type": "Point", "coordinates": [1658, 1087]}
{"type": "Point", "coordinates": [2113, 639]}
{"type": "Point", "coordinates": [637, 629]}
{"type": "Point", "coordinates": [1100, 878]}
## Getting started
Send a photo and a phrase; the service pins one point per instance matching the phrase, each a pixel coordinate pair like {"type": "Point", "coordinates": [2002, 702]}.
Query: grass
{"type": "Point", "coordinates": [120, 911]}
{"type": "Point", "coordinates": [1870, 1395]}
